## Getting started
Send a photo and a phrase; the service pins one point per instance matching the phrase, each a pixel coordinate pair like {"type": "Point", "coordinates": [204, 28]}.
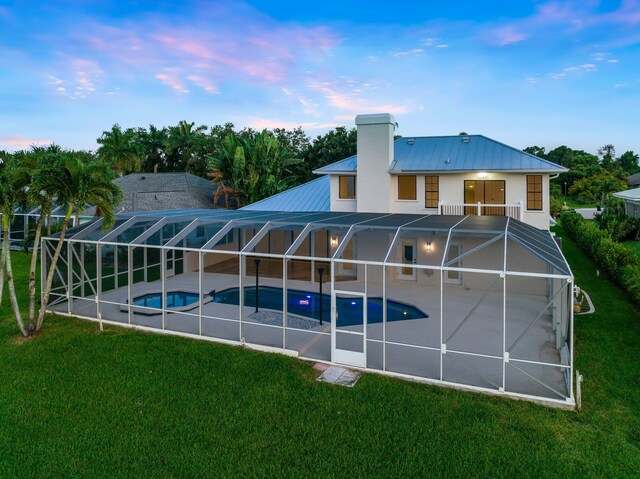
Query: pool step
{"type": "Point", "coordinates": [338, 375]}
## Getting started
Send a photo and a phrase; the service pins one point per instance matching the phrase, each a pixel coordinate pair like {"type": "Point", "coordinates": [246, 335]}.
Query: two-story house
{"type": "Point", "coordinates": [462, 174]}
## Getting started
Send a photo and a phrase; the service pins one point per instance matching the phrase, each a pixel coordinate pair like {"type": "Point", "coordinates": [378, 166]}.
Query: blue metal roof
{"type": "Point", "coordinates": [348, 165]}
{"type": "Point", "coordinates": [452, 154]}
{"type": "Point", "coordinates": [311, 196]}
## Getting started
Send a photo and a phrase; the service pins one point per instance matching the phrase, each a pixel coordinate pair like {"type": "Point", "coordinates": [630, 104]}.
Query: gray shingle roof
{"type": "Point", "coordinates": [452, 154]}
{"type": "Point", "coordinates": [165, 191]}
{"type": "Point", "coordinates": [634, 180]}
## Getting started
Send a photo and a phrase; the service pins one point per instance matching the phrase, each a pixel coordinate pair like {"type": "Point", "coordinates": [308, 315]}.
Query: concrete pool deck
{"type": "Point", "coordinates": [413, 347]}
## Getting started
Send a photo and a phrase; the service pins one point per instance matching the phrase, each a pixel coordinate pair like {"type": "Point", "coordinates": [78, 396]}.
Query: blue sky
{"type": "Point", "coordinates": [545, 73]}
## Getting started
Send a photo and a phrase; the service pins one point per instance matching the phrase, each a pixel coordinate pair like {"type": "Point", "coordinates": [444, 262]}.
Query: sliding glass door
{"type": "Point", "coordinates": [486, 192]}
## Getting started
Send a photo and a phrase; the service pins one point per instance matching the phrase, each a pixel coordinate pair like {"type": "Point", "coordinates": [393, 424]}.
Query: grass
{"type": "Point", "coordinates": [574, 204]}
{"type": "Point", "coordinates": [633, 246]}
{"type": "Point", "coordinates": [78, 403]}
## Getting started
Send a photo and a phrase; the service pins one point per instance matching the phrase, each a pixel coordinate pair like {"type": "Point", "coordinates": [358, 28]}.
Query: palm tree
{"type": "Point", "coordinates": [120, 150]}
{"type": "Point", "coordinates": [78, 182]}
{"type": "Point", "coordinates": [228, 167]}
{"type": "Point", "coordinates": [41, 162]}
{"type": "Point", "coordinates": [152, 144]}
{"type": "Point", "coordinates": [13, 180]}
{"type": "Point", "coordinates": [181, 145]}
{"type": "Point", "coordinates": [256, 166]}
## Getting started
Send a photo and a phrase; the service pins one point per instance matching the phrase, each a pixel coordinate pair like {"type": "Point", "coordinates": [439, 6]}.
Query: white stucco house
{"type": "Point", "coordinates": [450, 175]}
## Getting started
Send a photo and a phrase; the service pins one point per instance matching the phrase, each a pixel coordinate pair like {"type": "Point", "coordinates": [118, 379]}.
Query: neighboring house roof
{"type": "Point", "coordinates": [629, 195]}
{"type": "Point", "coordinates": [634, 180]}
{"type": "Point", "coordinates": [165, 191]}
{"type": "Point", "coordinates": [311, 196]}
{"type": "Point", "coordinates": [453, 154]}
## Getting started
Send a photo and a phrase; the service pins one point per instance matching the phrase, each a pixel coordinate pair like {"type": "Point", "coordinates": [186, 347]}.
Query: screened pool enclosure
{"type": "Point", "coordinates": [481, 303]}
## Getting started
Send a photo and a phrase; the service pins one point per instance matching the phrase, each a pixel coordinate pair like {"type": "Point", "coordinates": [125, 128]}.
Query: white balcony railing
{"type": "Point", "coordinates": [514, 210]}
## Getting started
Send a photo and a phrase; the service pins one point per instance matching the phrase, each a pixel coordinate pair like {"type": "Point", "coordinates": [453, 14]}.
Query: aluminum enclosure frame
{"type": "Point", "coordinates": [537, 243]}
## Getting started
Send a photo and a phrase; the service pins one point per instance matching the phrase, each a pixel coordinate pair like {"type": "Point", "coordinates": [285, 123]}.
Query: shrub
{"type": "Point", "coordinates": [621, 264]}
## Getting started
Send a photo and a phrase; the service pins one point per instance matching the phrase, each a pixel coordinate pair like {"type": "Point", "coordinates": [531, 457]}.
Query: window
{"type": "Point", "coordinates": [348, 187]}
{"type": "Point", "coordinates": [406, 187]}
{"type": "Point", "coordinates": [534, 192]}
{"type": "Point", "coordinates": [431, 191]}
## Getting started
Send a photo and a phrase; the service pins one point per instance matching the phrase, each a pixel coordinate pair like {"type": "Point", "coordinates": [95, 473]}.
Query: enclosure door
{"type": "Point", "coordinates": [454, 277]}
{"type": "Point", "coordinates": [348, 334]}
{"type": "Point", "coordinates": [407, 257]}
{"type": "Point", "coordinates": [170, 266]}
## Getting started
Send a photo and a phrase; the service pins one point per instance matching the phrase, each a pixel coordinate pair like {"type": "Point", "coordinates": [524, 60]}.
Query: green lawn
{"type": "Point", "coordinates": [633, 246]}
{"type": "Point", "coordinates": [573, 204]}
{"type": "Point", "coordinates": [75, 402]}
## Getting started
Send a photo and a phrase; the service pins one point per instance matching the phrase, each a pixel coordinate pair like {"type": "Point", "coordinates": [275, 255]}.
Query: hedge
{"type": "Point", "coordinates": [621, 264]}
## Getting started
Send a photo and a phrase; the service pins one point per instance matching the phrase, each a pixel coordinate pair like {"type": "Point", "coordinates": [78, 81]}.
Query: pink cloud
{"type": "Point", "coordinates": [355, 103]}
{"type": "Point", "coordinates": [16, 143]}
{"type": "Point", "coordinates": [259, 52]}
{"type": "Point", "coordinates": [203, 83]}
{"type": "Point", "coordinates": [172, 81]}
{"type": "Point", "coordinates": [507, 36]}
{"type": "Point", "coordinates": [629, 13]}
{"type": "Point", "coordinates": [560, 17]}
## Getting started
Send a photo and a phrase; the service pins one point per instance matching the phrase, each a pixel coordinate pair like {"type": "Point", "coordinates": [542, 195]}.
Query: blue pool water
{"type": "Point", "coordinates": [307, 304]}
{"type": "Point", "coordinates": [175, 299]}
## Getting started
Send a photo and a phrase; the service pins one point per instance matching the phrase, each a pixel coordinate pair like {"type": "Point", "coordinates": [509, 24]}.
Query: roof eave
{"type": "Point", "coordinates": [562, 170]}
{"type": "Point", "coordinates": [334, 172]}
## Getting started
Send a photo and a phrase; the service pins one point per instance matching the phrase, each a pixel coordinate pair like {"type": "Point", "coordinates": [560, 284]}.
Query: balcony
{"type": "Point", "coordinates": [479, 209]}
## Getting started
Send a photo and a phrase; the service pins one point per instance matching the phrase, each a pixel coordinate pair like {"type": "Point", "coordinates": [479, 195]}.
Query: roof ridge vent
{"type": "Point", "coordinates": [411, 141]}
{"type": "Point", "coordinates": [465, 139]}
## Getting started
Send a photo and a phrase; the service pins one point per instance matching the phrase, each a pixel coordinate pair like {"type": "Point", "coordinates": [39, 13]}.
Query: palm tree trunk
{"type": "Point", "coordinates": [11, 285]}
{"type": "Point", "coordinates": [2, 263]}
{"type": "Point", "coordinates": [52, 269]}
{"type": "Point", "coordinates": [32, 274]}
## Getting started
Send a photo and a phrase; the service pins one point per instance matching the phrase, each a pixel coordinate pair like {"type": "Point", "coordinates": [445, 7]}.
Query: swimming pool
{"type": "Point", "coordinates": [307, 304]}
{"type": "Point", "coordinates": [175, 299]}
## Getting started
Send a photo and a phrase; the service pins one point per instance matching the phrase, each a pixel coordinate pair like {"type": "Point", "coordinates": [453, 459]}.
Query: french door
{"type": "Point", "coordinates": [408, 258]}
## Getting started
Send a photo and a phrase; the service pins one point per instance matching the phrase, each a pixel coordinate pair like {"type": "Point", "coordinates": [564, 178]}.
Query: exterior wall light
{"type": "Point", "coordinates": [482, 174]}
{"type": "Point", "coordinates": [428, 247]}
{"type": "Point", "coordinates": [334, 241]}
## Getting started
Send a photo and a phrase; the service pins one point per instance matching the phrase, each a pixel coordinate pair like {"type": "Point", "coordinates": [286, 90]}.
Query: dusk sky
{"type": "Point", "coordinates": [525, 73]}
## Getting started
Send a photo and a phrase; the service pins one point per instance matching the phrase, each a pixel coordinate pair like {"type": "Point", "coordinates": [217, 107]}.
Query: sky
{"type": "Point", "coordinates": [525, 73]}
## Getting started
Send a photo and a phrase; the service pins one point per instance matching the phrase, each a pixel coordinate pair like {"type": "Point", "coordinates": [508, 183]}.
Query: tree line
{"type": "Point", "coordinates": [591, 177]}
{"type": "Point", "coordinates": [253, 164]}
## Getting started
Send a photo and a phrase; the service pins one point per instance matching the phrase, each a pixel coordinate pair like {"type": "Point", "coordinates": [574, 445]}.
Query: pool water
{"type": "Point", "coordinates": [307, 304]}
{"type": "Point", "coordinates": [175, 299]}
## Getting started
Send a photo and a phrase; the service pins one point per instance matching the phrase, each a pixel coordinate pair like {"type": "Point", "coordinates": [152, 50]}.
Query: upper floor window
{"type": "Point", "coordinates": [534, 192]}
{"type": "Point", "coordinates": [431, 191]}
{"type": "Point", "coordinates": [347, 187]}
{"type": "Point", "coordinates": [407, 187]}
